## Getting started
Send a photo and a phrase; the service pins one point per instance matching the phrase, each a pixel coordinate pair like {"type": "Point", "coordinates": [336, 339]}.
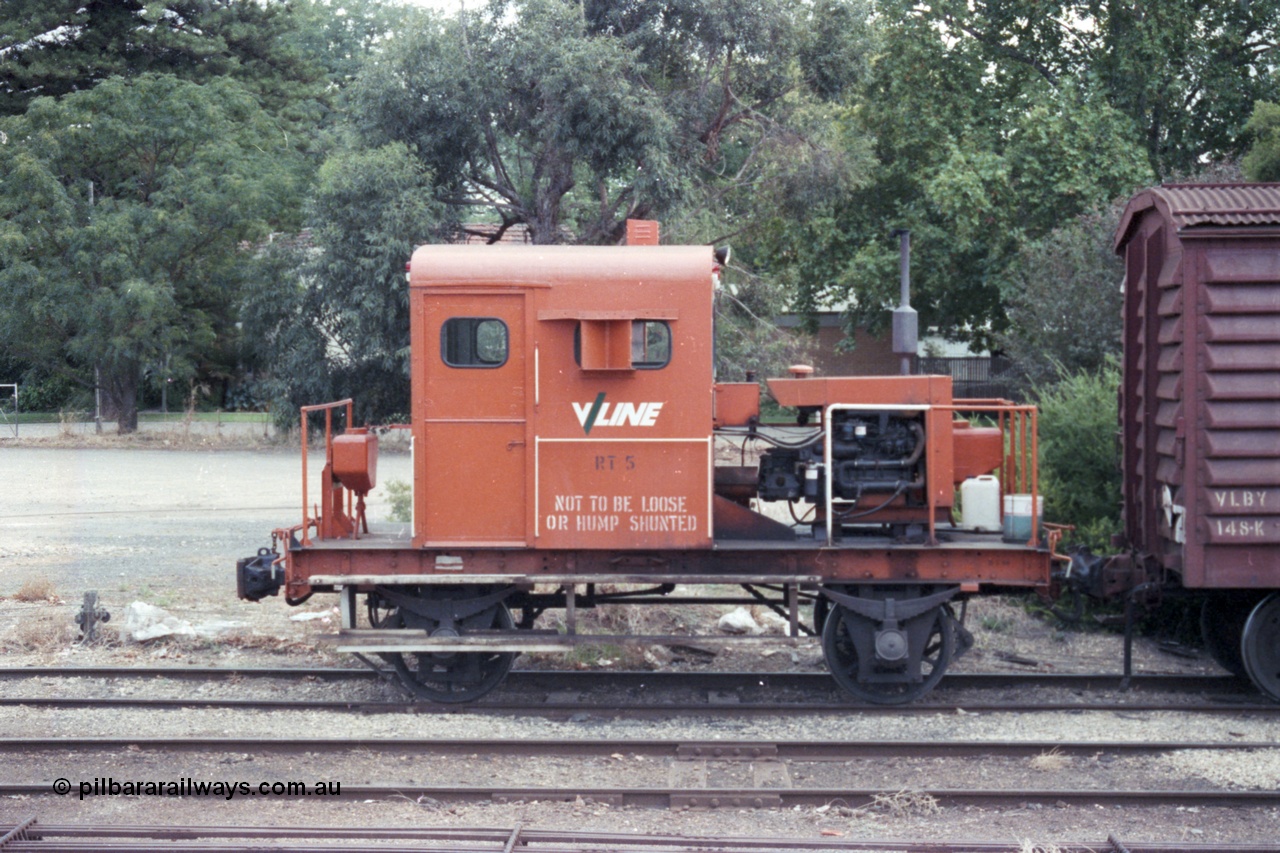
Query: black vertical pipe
{"type": "Point", "coordinates": [904, 275]}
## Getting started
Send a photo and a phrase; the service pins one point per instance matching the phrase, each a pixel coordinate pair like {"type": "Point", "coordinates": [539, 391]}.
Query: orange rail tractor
{"type": "Point", "coordinates": [571, 448]}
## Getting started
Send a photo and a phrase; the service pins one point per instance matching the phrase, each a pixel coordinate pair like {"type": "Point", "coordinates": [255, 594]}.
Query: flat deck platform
{"type": "Point", "coordinates": [399, 537]}
{"type": "Point", "coordinates": [386, 556]}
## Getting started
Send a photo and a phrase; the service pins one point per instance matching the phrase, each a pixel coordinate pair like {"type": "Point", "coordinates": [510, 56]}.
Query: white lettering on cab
{"type": "Point", "coordinates": [599, 413]}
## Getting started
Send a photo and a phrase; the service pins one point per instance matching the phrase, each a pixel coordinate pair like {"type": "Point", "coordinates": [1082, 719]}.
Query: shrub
{"type": "Point", "coordinates": [400, 496]}
{"type": "Point", "coordinates": [1079, 453]}
{"type": "Point", "coordinates": [36, 589]}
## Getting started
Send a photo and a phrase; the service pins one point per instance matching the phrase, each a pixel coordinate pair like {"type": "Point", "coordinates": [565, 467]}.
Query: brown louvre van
{"type": "Point", "coordinates": [1200, 407]}
{"type": "Point", "coordinates": [1201, 397]}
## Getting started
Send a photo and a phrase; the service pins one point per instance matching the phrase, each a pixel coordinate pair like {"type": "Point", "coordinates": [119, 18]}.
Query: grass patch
{"type": "Point", "coordinates": [143, 417]}
{"type": "Point", "coordinates": [206, 417]}
{"type": "Point", "coordinates": [592, 656]}
{"type": "Point", "coordinates": [997, 624]}
{"type": "Point", "coordinates": [36, 589]}
{"type": "Point", "coordinates": [1051, 761]}
{"type": "Point", "coordinates": [31, 418]}
{"type": "Point", "coordinates": [150, 596]}
{"type": "Point", "coordinates": [42, 631]}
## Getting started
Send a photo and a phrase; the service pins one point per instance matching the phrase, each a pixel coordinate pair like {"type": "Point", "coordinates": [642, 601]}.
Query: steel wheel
{"type": "Point", "coordinates": [446, 676]}
{"type": "Point", "coordinates": [456, 676]}
{"type": "Point", "coordinates": [1222, 619]}
{"type": "Point", "coordinates": [1260, 646]}
{"type": "Point", "coordinates": [884, 683]}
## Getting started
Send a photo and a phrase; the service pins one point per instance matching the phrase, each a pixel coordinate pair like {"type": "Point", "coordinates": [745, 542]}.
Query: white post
{"type": "Point", "coordinates": [97, 399]}
{"type": "Point", "coordinates": [14, 386]}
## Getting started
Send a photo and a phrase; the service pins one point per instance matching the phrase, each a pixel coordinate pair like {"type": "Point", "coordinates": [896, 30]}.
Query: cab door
{"type": "Point", "coordinates": [470, 439]}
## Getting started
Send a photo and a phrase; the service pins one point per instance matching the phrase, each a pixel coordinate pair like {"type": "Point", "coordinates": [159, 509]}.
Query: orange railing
{"type": "Point", "coordinates": [327, 408]}
{"type": "Point", "coordinates": [1019, 470]}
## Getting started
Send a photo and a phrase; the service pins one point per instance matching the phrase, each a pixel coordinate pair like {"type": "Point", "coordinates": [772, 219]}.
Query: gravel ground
{"type": "Point", "coordinates": [150, 523]}
{"type": "Point", "coordinates": [165, 526]}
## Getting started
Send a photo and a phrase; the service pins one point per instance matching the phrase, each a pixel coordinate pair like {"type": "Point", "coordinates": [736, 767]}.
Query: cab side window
{"type": "Point", "coordinates": [650, 344]}
{"type": "Point", "coordinates": [474, 342]}
{"type": "Point", "coordinates": [622, 344]}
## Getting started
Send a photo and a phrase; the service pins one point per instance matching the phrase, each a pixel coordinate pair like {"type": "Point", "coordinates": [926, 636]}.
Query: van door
{"type": "Point", "coordinates": [470, 444]}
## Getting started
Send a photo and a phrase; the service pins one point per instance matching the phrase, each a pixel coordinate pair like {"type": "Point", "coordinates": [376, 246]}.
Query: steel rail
{"type": "Point", "coordinates": [636, 710]}
{"type": "Point", "coordinates": [532, 679]}
{"type": "Point", "coordinates": [768, 797]}
{"type": "Point", "coordinates": [81, 837]}
{"type": "Point", "coordinates": [713, 750]}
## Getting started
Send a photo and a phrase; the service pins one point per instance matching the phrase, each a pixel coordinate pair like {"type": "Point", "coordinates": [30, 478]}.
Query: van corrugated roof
{"type": "Point", "coordinates": [1192, 205]}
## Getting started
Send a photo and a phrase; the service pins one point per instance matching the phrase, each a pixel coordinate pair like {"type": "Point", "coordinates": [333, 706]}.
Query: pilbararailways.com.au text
{"type": "Point", "coordinates": [189, 787]}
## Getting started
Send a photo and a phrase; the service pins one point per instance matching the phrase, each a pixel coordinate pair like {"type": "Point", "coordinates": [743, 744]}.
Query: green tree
{"type": "Point", "coordinates": [340, 35]}
{"type": "Point", "coordinates": [124, 211]}
{"type": "Point", "coordinates": [749, 341]}
{"type": "Point", "coordinates": [49, 48]}
{"type": "Point", "coordinates": [752, 90]}
{"type": "Point", "coordinates": [975, 162]}
{"type": "Point", "coordinates": [332, 320]}
{"type": "Point", "coordinates": [570, 117]}
{"type": "Point", "coordinates": [1079, 454]}
{"type": "Point", "coordinates": [1185, 72]}
{"type": "Point", "coordinates": [997, 121]}
{"type": "Point", "coordinates": [1262, 162]}
{"type": "Point", "coordinates": [1066, 291]}
{"type": "Point", "coordinates": [1064, 300]}
{"type": "Point", "coordinates": [521, 115]}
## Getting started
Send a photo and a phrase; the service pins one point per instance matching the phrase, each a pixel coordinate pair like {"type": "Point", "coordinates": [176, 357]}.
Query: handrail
{"type": "Point", "coordinates": [1022, 459]}
{"type": "Point", "coordinates": [327, 408]}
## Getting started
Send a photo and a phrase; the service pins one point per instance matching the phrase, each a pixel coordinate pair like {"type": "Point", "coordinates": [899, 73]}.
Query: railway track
{"type": "Point", "coordinates": [738, 781]}
{"type": "Point", "coordinates": [713, 750]}
{"type": "Point", "coordinates": [819, 682]}
{"type": "Point", "coordinates": [767, 797]}
{"type": "Point", "coordinates": [31, 836]}
{"type": "Point", "coordinates": [583, 709]}
{"type": "Point", "coordinates": [775, 769]}
{"type": "Point", "coordinates": [563, 694]}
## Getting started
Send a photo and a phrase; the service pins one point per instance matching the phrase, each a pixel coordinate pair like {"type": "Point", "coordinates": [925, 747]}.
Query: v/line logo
{"type": "Point", "coordinates": [599, 413]}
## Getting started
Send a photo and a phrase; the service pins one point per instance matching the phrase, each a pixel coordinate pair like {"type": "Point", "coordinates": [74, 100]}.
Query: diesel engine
{"type": "Point", "coordinates": [870, 453]}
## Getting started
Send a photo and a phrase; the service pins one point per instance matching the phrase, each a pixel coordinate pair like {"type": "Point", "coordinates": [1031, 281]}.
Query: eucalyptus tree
{"type": "Point", "coordinates": [523, 117]}
{"type": "Point", "coordinates": [567, 118]}
{"type": "Point", "coordinates": [331, 316]}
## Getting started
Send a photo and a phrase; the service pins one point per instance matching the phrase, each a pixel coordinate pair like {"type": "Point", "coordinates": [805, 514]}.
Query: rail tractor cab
{"type": "Point", "coordinates": [572, 448]}
{"type": "Point", "coordinates": [562, 398]}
